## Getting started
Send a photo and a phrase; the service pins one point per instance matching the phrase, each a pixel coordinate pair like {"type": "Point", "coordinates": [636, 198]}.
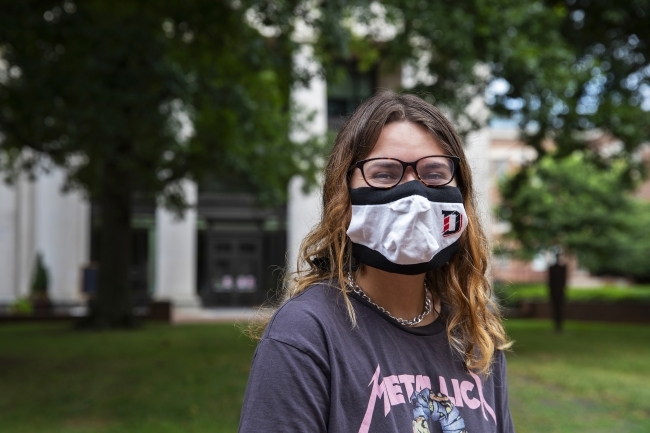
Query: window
{"type": "Point", "coordinates": [346, 89]}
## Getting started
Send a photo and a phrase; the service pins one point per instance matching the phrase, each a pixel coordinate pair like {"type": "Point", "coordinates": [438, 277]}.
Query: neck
{"type": "Point", "coordinates": [401, 295]}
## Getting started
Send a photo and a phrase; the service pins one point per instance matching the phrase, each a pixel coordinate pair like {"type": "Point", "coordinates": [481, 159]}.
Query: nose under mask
{"type": "Point", "coordinates": [409, 229]}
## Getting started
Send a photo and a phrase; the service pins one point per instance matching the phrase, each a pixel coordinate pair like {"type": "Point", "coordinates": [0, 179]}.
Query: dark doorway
{"type": "Point", "coordinates": [241, 268]}
{"type": "Point", "coordinates": [234, 266]}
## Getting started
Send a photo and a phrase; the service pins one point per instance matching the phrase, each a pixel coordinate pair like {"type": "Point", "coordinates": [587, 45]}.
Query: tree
{"type": "Point", "coordinates": [562, 69]}
{"type": "Point", "coordinates": [629, 252]}
{"type": "Point", "coordinates": [596, 81]}
{"type": "Point", "coordinates": [101, 88]}
{"type": "Point", "coordinates": [568, 207]}
{"type": "Point", "coordinates": [558, 67]}
{"type": "Point", "coordinates": [572, 206]}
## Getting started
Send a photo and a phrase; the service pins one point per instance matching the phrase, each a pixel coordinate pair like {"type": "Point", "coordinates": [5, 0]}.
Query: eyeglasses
{"type": "Point", "coordinates": [386, 173]}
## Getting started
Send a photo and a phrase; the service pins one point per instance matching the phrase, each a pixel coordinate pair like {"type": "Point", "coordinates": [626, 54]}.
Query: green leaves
{"type": "Point", "coordinates": [628, 250]}
{"type": "Point", "coordinates": [96, 82]}
{"type": "Point", "coordinates": [574, 206]}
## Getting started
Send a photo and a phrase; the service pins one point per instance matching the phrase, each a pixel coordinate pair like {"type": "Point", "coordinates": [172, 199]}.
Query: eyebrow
{"type": "Point", "coordinates": [435, 165]}
{"type": "Point", "coordinates": [386, 163]}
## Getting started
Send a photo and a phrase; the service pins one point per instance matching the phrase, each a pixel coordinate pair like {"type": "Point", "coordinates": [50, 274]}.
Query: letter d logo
{"type": "Point", "coordinates": [452, 222]}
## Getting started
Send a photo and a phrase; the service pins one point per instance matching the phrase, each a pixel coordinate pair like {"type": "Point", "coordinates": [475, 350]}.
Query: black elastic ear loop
{"type": "Point", "coordinates": [323, 263]}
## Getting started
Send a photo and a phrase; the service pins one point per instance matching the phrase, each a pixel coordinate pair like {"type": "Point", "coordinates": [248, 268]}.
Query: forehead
{"type": "Point", "coordinates": [406, 141]}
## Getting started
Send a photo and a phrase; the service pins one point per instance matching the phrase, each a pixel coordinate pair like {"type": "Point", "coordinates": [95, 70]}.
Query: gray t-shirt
{"type": "Point", "coordinates": [314, 372]}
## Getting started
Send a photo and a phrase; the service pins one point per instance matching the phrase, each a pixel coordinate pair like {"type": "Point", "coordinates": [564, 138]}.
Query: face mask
{"type": "Point", "coordinates": [409, 229]}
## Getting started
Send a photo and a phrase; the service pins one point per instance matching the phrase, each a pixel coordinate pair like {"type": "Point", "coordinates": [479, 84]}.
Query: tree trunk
{"type": "Point", "coordinates": [557, 278]}
{"type": "Point", "coordinates": [113, 305]}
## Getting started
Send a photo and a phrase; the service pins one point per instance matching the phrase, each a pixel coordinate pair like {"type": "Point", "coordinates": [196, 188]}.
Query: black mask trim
{"type": "Point", "coordinates": [370, 196]}
{"type": "Point", "coordinates": [375, 259]}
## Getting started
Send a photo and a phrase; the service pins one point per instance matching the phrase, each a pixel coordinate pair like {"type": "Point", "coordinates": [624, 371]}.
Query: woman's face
{"type": "Point", "coordinates": [405, 141]}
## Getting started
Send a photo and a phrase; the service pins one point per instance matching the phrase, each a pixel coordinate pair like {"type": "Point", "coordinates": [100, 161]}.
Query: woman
{"type": "Point", "coordinates": [389, 324]}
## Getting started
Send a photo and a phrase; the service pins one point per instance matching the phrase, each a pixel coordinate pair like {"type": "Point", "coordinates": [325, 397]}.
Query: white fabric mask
{"type": "Point", "coordinates": [408, 229]}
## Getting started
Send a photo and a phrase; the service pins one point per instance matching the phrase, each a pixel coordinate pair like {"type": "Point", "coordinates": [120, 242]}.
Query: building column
{"type": "Point", "coordinates": [477, 150]}
{"type": "Point", "coordinates": [25, 235]}
{"type": "Point", "coordinates": [7, 243]}
{"type": "Point", "coordinates": [304, 209]}
{"type": "Point", "coordinates": [176, 252]}
{"type": "Point", "coordinates": [62, 235]}
{"type": "Point", "coordinates": [303, 212]}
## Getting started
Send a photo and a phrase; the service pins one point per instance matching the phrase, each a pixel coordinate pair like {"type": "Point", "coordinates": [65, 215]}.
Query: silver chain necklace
{"type": "Point", "coordinates": [414, 321]}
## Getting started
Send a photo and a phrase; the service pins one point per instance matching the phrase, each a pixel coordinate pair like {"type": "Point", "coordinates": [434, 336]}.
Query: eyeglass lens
{"type": "Point", "coordinates": [386, 173]}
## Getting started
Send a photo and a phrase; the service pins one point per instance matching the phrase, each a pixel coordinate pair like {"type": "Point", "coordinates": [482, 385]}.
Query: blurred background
{"type": "Point", "coordinates": [160, 165]}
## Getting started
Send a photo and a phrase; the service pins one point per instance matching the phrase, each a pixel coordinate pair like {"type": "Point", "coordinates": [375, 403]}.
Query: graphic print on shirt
{"type": "Point", "coordinates": [427, 406]}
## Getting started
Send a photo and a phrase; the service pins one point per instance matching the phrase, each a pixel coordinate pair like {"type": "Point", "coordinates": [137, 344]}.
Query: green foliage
{"type": "Point", "coordinates": [511, 295]}
{"type": "Point", "coordinates": [564, 66]}
{"type": "Point", "coordinates": [40, 280]}
{"type": "Point", "coordinates": [629, 251]}
{"type": "Point", "coordinates": [96, 85]}
{"type": "Point", "coordinates": [590, 72]}
{"type": "Point", "coordinates": [22, 306]}
{"type": "Point", "coordinates": [572, 205]}
{"type": "Point", "coordinates": [448, 43]}
{"type": "Point", "coordinates": [604, 79]}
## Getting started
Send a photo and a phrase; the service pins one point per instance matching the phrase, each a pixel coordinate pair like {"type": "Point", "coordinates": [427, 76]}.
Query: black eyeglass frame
{"type": "Point", "coordinates": [360, 164]}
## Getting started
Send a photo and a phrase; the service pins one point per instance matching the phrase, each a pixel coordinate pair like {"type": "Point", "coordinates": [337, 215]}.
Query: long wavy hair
{"type": "Point", "coordinates": [474, 325]}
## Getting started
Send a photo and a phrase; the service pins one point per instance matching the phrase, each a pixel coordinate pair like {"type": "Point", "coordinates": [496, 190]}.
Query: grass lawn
{"type": "Point", "coordinates": [593, 378]}
{"type": "Point", "coordinates": [158, 379]}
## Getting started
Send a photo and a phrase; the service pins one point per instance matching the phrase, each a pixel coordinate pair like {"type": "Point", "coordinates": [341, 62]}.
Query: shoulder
{"type": "Point", "coordinates": [497, 362]}
{"type": "Point", "coordinates": [499, 359]}
{"type": "Point", "coordinates": [308, 315]}
{"type": "Point", "coordinates": [499, 368]}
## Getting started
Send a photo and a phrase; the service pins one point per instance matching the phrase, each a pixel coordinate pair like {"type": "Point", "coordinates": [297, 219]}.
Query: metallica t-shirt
{"type": "Point", "coordinates": [313, 372]}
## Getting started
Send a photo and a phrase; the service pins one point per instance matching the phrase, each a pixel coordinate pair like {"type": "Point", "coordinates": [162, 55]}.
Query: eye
{"type": "Point", "coordinates": [435, 170]}
{"type": "Point", "coordinates": [434, 175]}
{"type": "Point", "coordinates": [383, 175]}
{"type": "Point", "coordinates": [382, 172]}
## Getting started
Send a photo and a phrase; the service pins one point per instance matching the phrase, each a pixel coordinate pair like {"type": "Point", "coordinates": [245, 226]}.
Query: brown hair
{"type": "Point", "coordinates": [474, 323]}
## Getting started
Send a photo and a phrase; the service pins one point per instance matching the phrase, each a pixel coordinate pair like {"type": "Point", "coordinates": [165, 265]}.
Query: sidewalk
{"type": "Point", "coordinates": [182, 315]}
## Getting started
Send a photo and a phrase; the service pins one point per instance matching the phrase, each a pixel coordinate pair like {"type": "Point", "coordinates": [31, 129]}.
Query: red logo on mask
{"type": "Point", "coordinates": [452, 222]}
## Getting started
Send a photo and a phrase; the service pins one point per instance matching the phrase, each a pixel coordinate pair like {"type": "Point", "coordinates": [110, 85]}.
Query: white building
{"type": "Point", "coordinates": [36, 217]}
